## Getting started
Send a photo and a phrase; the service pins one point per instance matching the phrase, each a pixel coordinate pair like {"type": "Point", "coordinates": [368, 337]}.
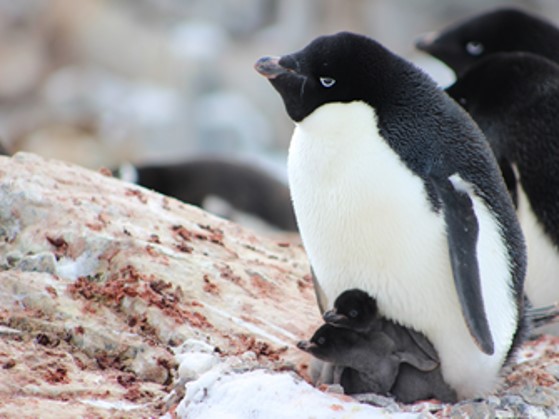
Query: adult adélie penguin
{"type": "Point", "coordinates": [514, 98]}
{"type": "Point", "coordinates": [396, 192]}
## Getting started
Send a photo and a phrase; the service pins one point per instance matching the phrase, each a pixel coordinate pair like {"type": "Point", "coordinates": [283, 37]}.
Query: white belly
{"type": "Point", "coordinates": [542, 275]}
{"type": "Point", "coordinates": [366, 223]}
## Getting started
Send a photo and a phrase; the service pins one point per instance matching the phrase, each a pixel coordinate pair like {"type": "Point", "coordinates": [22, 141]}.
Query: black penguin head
{"type": "Point", "coordinates": [353, 309]}
{"type": "Point", "coordinates": [506, 94]}
{"type": "Point", "coordinates": [329, 343]}
{"type": "Point", "coordinates": [504, 29]}
{"type": "Point", "coordinates": [338, 68]}
{"type": "Point", "coordinates": [500, 82]}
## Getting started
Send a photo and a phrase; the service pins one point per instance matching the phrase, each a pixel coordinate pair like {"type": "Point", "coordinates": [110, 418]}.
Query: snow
{"type": "Point", "coordinates": [223, 394]}
{"type": "Point", "coordinates": [249, 326]}
{"type": "Point", "coordinates": [116, 405]}
{"type": "Point", "coordinates": [229, 388]}
{"type": "Point", "coordinates": [194, 364]}
{"type": "Point", "coordinates": [84, 265]}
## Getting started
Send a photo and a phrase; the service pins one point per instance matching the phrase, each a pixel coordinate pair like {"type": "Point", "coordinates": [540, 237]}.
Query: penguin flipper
{"type": "Point", "coordinates": [462, 234]}
{"type": "Point", "coordinates": [417, 360]}
{"type": "Point", "coordinates": [423, 343]}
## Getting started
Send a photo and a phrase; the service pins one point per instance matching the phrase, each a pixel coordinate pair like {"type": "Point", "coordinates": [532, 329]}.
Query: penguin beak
{"type": "Point", "coordinates": [270, 67]}
{"type": "Point", "coordinates": [426, 41]}
{"type": "Point", "coordinates": [305, 345]}
{"type": "Point", "coordinates": [333, 318]}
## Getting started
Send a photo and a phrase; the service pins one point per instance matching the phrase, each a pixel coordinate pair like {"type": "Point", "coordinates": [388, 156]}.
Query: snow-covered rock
{"type": "Point", "coordinates": [221, 394]}
{"type": "Point", "coordinates": [103, 277]}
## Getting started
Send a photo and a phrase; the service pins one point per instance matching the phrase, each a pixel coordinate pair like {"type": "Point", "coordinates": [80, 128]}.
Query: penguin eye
{"type": "Point", "coordinates": [353, 314]}
{"type": "Point", "coordinates": [462, 101]}
{"type": "Point", "coordinates": [327, 81]}
{"type": "Point", "coordinates": [475, 48]}
{"type": "Point", "coordinates": [321, 340]}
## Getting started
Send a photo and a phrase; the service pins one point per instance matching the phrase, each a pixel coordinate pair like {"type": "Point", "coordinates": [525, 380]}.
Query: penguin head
{"type": "Point", "coordinates": [467, 41]}
{"type": "Point", "coordinates": [496, 84]}
{"type": "Point", "coordinates": [344, 67]}
{"type": "Point", "coordinates": [328, 343]}
{"type": "Point", "coordinates": [353, 309]}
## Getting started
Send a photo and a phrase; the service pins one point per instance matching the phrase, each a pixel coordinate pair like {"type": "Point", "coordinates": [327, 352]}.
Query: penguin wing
{"type": "Point", "coordinates": [423, 343]}
{"type": "Point", "coordinates": [462, 234]}
{"type": "Point", "coordinates": [417, 360]}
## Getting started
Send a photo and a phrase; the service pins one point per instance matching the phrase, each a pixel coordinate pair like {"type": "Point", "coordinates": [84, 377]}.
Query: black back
{"type": "Point", "coordinates": [245, 186]}
{"type": "Point", "coordinates": [502, 30]}
{"type": "Point", "coordinates": [514, 97]}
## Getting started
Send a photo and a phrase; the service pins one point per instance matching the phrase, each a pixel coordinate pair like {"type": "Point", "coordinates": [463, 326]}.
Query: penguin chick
{"type": "Point", "coordinates": [372, 356]}
{"type": "Point", "coordinates": [514, 98]}
{"type": "Point", "coordinates": [502, 30]}
{"type": "Point", "coordinates": [372, 364]}
{"type": "Point", "coordinates": [356, 310]}
{"type": "Point", "coordinates": [397, 193]}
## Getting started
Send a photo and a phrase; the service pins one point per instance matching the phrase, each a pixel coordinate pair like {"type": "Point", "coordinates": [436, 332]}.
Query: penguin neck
{"type": "Point", "coordinates": [332, 136]}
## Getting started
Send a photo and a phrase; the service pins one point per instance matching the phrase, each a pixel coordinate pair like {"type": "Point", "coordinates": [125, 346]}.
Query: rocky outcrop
{"type": "Point", "coordinates": [100, 279]}
{"type": "Point", "coordinates": [113, 297]}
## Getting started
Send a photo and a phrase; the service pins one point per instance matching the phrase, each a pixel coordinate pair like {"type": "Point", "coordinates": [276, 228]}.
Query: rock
{"type": "Point", "coordinates": [106, 278]}
{"type": "Point", "coordinates": [540, 396]}
{"type": "Point", "coordinates": [195, 364]}
{"type": "Point", "coordinates": [474, 410]}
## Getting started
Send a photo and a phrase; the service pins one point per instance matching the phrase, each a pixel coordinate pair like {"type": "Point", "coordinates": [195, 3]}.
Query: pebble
{"type": "Point", "coordinates": [540, 396]}
{"type": "Point", "coordinates": [553, 370]}
{"type": "Point", "coordinates": [472, 410]}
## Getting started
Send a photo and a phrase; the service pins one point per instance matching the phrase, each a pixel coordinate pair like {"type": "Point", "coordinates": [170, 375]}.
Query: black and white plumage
{"type": "Point", "coordinates": [514, 98]}
{"type": "Point", "coordinates": [244, 186]}
{"type": "Point", "coordinates": [465, 42]}
{"type": "Point", "coordinates": [377, 355]}
{"type": "Point", "coordinates": [396, 192]}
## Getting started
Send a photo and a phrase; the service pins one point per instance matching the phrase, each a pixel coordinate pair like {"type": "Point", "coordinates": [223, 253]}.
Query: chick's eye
{"type": "Point", "coordinates": [353, 313]}
{"type": "Point", "coordinates": [475, 48]}
{"type": "Point", "coordinates": [327, 81]}
{"type": "Point", "coordinates": [321, 340]}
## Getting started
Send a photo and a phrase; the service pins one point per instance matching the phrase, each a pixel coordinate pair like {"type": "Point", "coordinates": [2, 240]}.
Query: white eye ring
{"type": "Point", "coordinates": [327, 81]}
{"type": "Point", "coordinates": [474, 48]}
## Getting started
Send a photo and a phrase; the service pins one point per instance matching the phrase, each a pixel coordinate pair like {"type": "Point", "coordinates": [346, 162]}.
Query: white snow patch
{"type": "Point", "coordinates": [194, 364]}
{"type": "Point", "coordinates": [117, 405]}
{"type": "Point", "coordinates": [249, 326]}
{"type": "Point", "coordinates": [221, 394]}
{"type": "Point", "coordinates": [278, 329]}
{"type": "Point", "coordinates": [193, 345]}
{"type": "Point", "coordinates": [84, 265]}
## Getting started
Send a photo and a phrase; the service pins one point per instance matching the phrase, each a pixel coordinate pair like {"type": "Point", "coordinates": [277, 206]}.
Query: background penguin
{"type": "Point", "coordinates": [396, 192]}
{"type": "Point", "coordinates": [243, 186]}
{"type": "Point", "coordinates": [504, 29]}
{"type": "Point", "coordinates": [514, 97]}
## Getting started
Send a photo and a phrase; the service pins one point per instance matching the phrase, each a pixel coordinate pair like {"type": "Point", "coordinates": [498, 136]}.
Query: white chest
{"type": "Point", "coordinates": [542, 276]}
{"type": "Point", "coordinates": [366, 223]}
{"type": "Point", "coordinates": [364, 217]}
